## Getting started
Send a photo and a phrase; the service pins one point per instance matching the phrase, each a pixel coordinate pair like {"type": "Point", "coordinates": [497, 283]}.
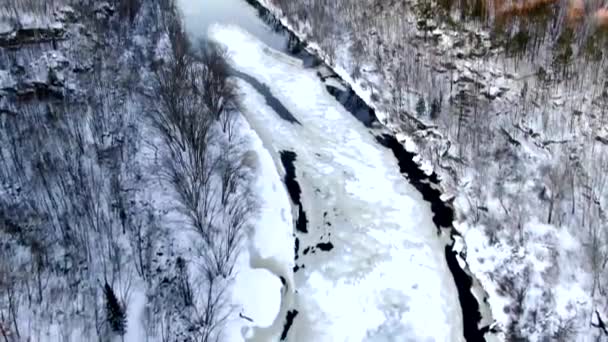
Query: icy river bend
{"type": "Point", "coordinates": [370, 253]}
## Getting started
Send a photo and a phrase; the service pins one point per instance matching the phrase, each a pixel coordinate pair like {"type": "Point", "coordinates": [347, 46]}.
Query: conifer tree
{"type": "Point", "coordinates": [420, 107]}
{"type": "Point", "coordinates": [435, 109]}
{"type": "Point", "coordinates": [115, 312]}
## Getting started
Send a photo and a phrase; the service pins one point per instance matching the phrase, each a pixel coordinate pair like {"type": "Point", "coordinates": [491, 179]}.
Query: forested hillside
{"type": "Point", "coordinates": [507, 100]}
{"type": "Point", "coordinates": [124, 189]}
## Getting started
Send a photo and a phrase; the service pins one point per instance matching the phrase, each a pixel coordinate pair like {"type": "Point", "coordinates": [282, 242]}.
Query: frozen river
{"type": "Point", "coordinates": [366, 260]}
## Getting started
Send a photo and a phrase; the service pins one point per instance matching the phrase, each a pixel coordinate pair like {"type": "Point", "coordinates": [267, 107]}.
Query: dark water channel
{"type": "Point", "coordinates": [271, 100]}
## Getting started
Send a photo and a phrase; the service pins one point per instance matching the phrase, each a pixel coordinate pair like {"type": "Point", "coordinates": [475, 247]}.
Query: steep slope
{"type": "Point", "coordinates": [126, 180]}
{"type": "Point", "coordinates": [509, 111]}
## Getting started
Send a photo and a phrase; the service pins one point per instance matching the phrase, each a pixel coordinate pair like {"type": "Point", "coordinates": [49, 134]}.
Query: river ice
{"type": "Point", "coordinates": [385, 279]}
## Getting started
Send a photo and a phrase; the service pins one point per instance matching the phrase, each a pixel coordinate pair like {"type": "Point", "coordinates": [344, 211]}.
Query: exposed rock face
{"type": "Point", "coordinates": [36, 35]}
{"type": "Point", "coordinates": [42, 79]}
{"type": "Point", "coordinates": [34, 68]}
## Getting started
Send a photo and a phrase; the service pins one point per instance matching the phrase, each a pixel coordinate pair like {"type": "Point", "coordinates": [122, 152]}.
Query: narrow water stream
{"type": "Point", "coordinates": [287, 159]}
{"type": "Point", "coordinates": [272, 101]}
{"type": "Point", "coordinates": [251, 16]}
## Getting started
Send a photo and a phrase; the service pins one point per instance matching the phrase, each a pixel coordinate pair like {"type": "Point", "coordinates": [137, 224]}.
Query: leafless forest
{"type": "Point", "coordinates": [120, 173]}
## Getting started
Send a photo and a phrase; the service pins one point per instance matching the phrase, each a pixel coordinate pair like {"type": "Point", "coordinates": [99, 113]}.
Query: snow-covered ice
{"type": "Point", "coordinates": [386, 278]}
{"type": "Point", "coordinates": [272, 237]}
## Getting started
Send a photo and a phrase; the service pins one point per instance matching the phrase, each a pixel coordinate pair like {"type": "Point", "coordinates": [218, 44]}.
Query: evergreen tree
{"type": "Point", "coordinates": [421, 107]}
{"type": "Point", "coordinates": [435, 109]}
{"type": "Point", "coordinates": [116, 316]}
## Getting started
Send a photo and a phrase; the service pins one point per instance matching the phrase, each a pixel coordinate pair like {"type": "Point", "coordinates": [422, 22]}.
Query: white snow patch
{"type": "Point", "coordinates": [5, 26]}
{"type": "Point", "coordinates": [6, 79]}
{"type": "Point", "coordinates": [259, 293]}
{"type": "Point", "coordinates": [135, 308]}
{"type": "Point", "coordinates": [335, 83]}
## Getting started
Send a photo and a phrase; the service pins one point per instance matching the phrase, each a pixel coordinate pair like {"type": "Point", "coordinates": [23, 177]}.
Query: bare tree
{"type": "Point", "coordinates": [219, 92]}
{"type": "Point", "coordinates": [204, 165]}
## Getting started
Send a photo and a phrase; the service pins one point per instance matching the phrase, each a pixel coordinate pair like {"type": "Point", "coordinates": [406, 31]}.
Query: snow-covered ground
{"type": "Point", "coordinates": [258, 294]}
{"type": "Point", "coordinates": [385, 278]}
